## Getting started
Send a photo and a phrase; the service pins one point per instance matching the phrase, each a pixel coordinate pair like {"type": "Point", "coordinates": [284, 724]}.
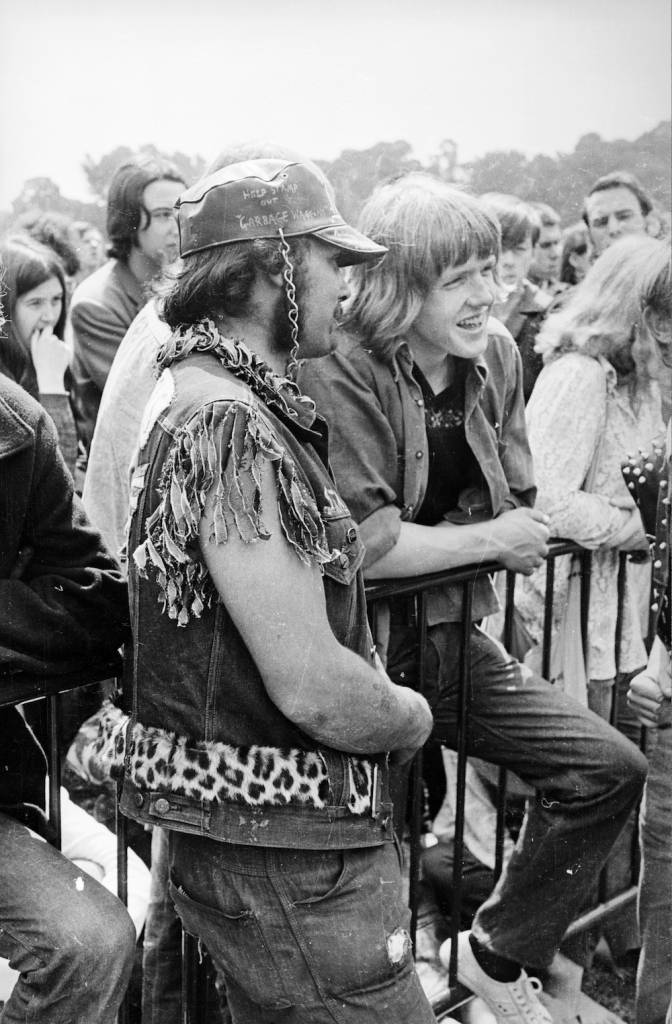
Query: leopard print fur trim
{"type": "Point", "coordinates": [256, 776]}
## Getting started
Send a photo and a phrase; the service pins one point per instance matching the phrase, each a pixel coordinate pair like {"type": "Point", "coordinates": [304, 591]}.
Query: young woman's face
{"type": "Point", "coordinates": [39, 308]}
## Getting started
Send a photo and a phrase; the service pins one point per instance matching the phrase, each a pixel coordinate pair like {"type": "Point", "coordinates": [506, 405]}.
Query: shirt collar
{"type": "Point", "coordinates": [402, 358]}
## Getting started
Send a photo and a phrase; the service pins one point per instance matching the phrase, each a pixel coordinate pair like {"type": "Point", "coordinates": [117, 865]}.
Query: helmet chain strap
{"type": "Point", "coordinates": [293, 311]}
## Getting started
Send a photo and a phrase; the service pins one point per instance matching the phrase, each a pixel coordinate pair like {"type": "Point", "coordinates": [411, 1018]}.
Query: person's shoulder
{"type": "Point", "coordinates": [534, 300]}
{"type": "Point", "coordinates": [350, 357]}
{"type": "Point", "coordinates": [501, 345]}
{"type": "Point", "coordinates": [577, 371]}
{"type": "Point", "coordinates": [22, 418]}
{"type": "Point", "coordinates": [111, 287]}
{"type": "Point", "coordinates": [93, 287]}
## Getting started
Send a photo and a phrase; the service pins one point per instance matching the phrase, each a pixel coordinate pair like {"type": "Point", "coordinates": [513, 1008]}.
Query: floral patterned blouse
{"type": "Point", "coordinates": [582, 425]}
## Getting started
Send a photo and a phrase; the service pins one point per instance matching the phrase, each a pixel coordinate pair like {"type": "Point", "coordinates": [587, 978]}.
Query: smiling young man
{"type": "Point", "coordinates": [142, 229]}
{"type": "Point", "coordinates": [428, 444]}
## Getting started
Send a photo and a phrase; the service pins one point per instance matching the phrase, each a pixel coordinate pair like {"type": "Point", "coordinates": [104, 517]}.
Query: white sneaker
{"type": "Point", "coordinates": [513, 1002]}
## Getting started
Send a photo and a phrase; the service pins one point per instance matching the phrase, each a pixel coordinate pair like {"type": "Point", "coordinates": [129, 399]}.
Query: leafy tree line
{"type": "Point", "coordinates": [561, 180]}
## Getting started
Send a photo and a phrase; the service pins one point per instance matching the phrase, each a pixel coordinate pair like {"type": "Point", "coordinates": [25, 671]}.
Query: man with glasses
{"type": "Point", "coordinates": [142, 230]}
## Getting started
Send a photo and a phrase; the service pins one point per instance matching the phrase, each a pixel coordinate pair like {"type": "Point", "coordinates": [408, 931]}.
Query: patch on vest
{"type": "Point", "coordinates": [160, 761]}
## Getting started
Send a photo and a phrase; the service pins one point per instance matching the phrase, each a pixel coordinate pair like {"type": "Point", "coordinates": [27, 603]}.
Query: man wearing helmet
{"type": "Point", "coordinates": [261, 727]}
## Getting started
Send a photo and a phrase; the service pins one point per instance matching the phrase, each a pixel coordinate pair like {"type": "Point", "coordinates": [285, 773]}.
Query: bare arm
{"type": "Point", "coordinates": [277, 604]}
{"type": "Point", "coordinates": [518, 539]}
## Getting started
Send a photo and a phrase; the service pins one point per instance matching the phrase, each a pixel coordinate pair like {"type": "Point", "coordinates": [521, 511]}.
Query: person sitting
{"type": "Point", "coordinates": [424, 404]}
{"type": "Point", "coordinates": [64, 605]}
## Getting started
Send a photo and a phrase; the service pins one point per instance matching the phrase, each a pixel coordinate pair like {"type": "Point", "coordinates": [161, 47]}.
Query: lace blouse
{"type": "Point", "coordinates": [582, 425]}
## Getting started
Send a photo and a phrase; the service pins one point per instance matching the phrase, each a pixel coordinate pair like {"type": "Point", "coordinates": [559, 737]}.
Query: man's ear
{"type": "Point", "coordinates": [275, 279]}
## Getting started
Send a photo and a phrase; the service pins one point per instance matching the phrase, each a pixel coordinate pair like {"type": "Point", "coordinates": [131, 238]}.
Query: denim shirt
{"type": "Point", "coordinates": [379, 451]}
{"type": "Point", "coordinates": [206, 750]}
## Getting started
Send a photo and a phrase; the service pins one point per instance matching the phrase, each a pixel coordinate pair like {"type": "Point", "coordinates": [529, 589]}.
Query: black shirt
{"type": "Point", "coordinates": [452, 465]}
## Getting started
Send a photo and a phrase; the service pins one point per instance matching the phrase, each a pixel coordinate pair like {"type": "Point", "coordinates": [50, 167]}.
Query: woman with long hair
{"type": "Point", "coordinates": [594, 403]}
{"type": "Point", "coordinates": [32, 350]}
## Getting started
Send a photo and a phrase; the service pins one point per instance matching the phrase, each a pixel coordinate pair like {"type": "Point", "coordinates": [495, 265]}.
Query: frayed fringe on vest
{"type": "Point", "coordinates": [222, 450]}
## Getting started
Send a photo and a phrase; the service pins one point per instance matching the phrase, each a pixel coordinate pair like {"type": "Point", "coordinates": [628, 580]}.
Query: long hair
{"type": "Point", "coordinates": [218, 281]}
{"type": "Point", "coordinates": [655, 284]}
{"type": "Point", "coordinates": [427, 227]}
{"type": "Point", "coordinates": [125, 211]}
{"type": "Point", "coordinates": [574, 240]}
{"type": "Point", "coordinates": [603, 315]}
{"type": "Point", "coordinates": [27, 264]}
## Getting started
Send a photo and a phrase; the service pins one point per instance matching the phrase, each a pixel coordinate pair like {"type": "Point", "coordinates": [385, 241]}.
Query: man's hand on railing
{"type": "Point", "coordinates": [520, 539]}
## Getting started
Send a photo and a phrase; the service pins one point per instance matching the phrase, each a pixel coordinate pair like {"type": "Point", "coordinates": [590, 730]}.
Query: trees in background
{"type": "Point", "coordinates": [561, 180]}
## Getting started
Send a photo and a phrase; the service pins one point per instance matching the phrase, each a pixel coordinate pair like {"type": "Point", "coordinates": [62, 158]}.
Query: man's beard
{"type": "Point", "coordinates": [281, 332]}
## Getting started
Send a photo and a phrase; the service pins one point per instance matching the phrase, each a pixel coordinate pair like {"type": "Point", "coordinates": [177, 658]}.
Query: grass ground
{"type": "Point", "coordinates": [614, 986]}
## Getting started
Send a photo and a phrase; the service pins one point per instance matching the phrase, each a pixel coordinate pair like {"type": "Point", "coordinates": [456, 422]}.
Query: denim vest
{"type": "Point", "coordinates": [206, 750]}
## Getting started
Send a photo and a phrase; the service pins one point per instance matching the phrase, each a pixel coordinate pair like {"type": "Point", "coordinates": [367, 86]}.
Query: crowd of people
{"type": "Point", "coordinates": [209, 442]}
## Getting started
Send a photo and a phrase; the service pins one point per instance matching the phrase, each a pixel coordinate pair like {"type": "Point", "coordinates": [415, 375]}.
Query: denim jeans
{"type": "Point", "coordinates": [301, 936]}
{"type": "Point", "coordinates": [654, 972]}
{"type": "Point", "coordinates": [586, 775]}
{"type": "Point", "coordinates": [162, 950]}
{"type": "Point", "coordinates": [72, 941]}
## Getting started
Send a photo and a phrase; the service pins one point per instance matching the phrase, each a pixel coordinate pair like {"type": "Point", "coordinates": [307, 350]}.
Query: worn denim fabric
{"type": "Point", "coordinates": [194, 680]}
{"type": "Point", "coordinates": [162, 951]}
{"type": "Point", "coordinates": [72, 941]}
{"type": "Point", "coordinates": [162, 944]}
{"type": "Point", "coordinates": [301, 936]}
{"type": "Point", "coordinates": [587, 778]}
{"type": "Point", "coordinates": [654, 972]}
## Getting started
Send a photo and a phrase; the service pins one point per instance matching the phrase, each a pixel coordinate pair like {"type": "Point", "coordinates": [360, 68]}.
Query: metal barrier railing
{"type": "Point", "coordinates": [20, 689]}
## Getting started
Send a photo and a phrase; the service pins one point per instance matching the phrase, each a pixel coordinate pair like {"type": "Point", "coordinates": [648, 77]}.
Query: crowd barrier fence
{"type": "Point", "coordinates": [17, 689]}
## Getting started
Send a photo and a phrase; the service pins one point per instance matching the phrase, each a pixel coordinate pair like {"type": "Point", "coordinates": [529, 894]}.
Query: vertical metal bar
{"type": "Point", "coordinates": [416, 775]}
{"type": "Point", "coordinates": [121, 825]}
{"type": "Point", "coordinates": [462, 743]}
{"type": "Point", "coordinates": [548, 618]}
{"type": "Point", "coordinates": [190, 957]}
{"type": "Point", "coordinates": [585, 560]}
{"type": "Point", "coordinates": [618, 632]}
{"type": "Point", "coordinates": [54, 760]}
{"type": "Point", "coordinates": [507, 637]}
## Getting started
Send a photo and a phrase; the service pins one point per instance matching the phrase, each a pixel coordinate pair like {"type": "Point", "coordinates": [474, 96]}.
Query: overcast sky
{"type": "Point", "coordinates": [83, 76]}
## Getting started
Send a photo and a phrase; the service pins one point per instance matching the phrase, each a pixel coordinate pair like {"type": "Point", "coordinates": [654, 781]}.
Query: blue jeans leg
{"type": "Point", "coordinates": [72, 941]}
{"type": "Point", "coordinates": [586, 775]}
{"type": "Point", "coordinates": [654, 973]}
{"type": "Point", "coordinates": [162, 945]}
{"type": "Point", "coordinates": [301, 936]}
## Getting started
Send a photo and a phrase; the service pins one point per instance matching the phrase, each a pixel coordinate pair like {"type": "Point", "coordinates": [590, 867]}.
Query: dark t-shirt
{"type": "Point", "coordinates": [452, 465]}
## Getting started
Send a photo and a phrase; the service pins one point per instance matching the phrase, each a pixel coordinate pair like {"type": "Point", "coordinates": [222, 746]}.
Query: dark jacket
{"type": "Point", "coordinates": [524, 320]}
{"type": "Point", "coordinates": [207, 751]}
{"type": "Point", "coordinates": [102, 309]}
{"type": "Point", "coordinates": [63, 601]}
{"type": "Point", "coordinates": [379, 451]}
